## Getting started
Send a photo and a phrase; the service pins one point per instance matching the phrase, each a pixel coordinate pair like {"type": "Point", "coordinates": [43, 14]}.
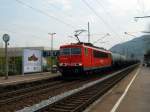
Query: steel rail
{"type": "Point", "coordinates": [79, 101]}
{"type": "Point", "coordinates": [40, 89]}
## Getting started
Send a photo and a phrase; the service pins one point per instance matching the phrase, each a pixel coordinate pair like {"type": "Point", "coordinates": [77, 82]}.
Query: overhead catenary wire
{"type": "Point", "coordinates": [46, 14]}
{"type": "Point", "coordinates": [141, 5]}
{"type": "Point", "coordinates": [106, 12]}
{"type": "Point", "coordinates": [101, 5]}
{"type": "Point", "coordinates": [100, 18]}
{"type": "Point", "coordinates": [12, 32]}
{"type": "Point", "coordinates": [52, 7]}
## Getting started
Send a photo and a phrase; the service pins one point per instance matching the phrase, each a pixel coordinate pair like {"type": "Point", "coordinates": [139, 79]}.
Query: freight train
{"type": "Point", "coordinates": [84, 58]}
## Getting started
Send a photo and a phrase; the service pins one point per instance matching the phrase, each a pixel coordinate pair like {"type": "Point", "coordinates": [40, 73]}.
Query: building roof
{"type": "Point", "coordinates": [17, 51]}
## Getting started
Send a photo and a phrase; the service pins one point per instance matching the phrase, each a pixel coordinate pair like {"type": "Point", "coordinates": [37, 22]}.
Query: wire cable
{"type": "Point", "coordinates": [44, 13]}
{"type": "Point", "coordinates": [47, 4]}
{"type": "Point", "coordinates": [106, 12]}
{"type": "Point", "coordinates": [100, 18]}
{"type": "Point", "coordinates": [141, 5]}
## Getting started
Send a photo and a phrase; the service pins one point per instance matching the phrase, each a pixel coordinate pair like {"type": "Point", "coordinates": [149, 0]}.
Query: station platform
{"type": "Point", "coordinates": [26, 78]}
{"type": "Point", "coordinates": [132, 94]}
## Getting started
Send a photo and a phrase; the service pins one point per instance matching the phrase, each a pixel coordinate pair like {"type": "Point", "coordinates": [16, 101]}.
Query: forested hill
{"type": "Point", "coordinates": [134, 48]}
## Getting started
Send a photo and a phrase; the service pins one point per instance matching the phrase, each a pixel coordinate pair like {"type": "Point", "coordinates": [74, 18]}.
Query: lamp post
{"type": "Point", "coordinates": [6, 38]}
{"type": "Point", "coordinates": [131, 41]}
{"type": "Point", "coordinates": [107, 34]}
{"type": "Point", "coordinates": [129, 34]}
{"type": "Point", "coordinates": [52, 35]}
{"type": "Point", "coordinates": [141, 17]}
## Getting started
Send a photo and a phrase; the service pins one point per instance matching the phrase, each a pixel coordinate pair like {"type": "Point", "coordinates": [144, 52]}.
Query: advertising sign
{"type": "Point", "coordinates": [32, 61]}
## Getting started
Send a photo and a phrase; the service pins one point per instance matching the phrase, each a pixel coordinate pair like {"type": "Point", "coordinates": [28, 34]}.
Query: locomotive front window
{"type": "Point", "coordinates": [70, 51]}
{"type": "Point", "coordinates": [75, 50]}
{"type": "Point", "coordinates": [65, 51]}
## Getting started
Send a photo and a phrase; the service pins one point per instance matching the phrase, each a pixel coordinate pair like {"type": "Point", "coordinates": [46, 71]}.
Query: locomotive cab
{"type": "Point", "coordinates": [70, 59]}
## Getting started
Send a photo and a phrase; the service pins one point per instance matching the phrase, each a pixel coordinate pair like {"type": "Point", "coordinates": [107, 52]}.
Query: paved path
{"type": "Point", "coordinates": [132, 94]}
{"type": "Point", "coordinates": [138, 97]}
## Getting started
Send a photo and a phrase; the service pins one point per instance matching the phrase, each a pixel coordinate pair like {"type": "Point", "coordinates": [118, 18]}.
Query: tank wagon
{"type": "Point", "coordinates": [147, 59]}
{"type": "Point", "coordinates": [84, 58]}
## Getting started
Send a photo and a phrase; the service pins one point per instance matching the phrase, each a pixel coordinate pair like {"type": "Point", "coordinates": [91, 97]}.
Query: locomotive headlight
{"type": "Point", "coordinates": [62, 64]}
{"type": "Point", "coordinates": [79, 64]}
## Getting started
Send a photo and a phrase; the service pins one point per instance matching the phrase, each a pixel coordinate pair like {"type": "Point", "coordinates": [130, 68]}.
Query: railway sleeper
{"type": "Point", "coordinates": [89, 101]}
{"type": "Point", "coordinates": [88, 91]}
{"type": "Point", "coordinates": [63, 106]}
{"type": "Point", "coordinates": [68, 104]}
{"type": "Point", "coordinates": [56, 110]}
{"type": "Point", "coordinates": [81, 98]}
{"type": "Point", "coordinates": [75, 101]}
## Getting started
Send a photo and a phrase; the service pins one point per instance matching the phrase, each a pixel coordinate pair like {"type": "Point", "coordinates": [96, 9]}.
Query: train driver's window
{"type": "Point", "coordinates": [86, 51]}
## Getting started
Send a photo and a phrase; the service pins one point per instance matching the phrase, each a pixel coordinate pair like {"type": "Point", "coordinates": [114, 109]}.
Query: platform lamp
{"type": "Point", "coordinates": [130, 34]}
{"type": "Point", "coordinates": [6, 39]}
{"type": "Point", "coordinates": [126, 33]}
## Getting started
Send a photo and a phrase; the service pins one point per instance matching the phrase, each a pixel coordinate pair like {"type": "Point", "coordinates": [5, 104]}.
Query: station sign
{"type": "Point", "coordinates": [32, 61]}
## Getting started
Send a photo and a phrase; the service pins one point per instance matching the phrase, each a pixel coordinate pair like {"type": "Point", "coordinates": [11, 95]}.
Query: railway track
{"type": "Point", "coordinates": [9, 100]}
{"type": "Point", "coordinates": [13, 100]}
{"type": "Point", "coordinates": [13, 96]}
{"type": "Point", "coordinates": [79, 101]}
{"type": "Point", "coordinates": [23, 85]}
{"type": "Point", "coordinates": [35, 88]}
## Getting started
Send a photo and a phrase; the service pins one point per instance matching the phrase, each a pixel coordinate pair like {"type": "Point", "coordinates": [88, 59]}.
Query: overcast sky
{"type": "Point", "coordinates": [28, 22]}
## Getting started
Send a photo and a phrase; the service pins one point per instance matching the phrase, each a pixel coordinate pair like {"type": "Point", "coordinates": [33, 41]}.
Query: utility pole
{"type": "Point", "coordinates": [88, 32]}
{"type": "Point", "coordinates": [52, 35]}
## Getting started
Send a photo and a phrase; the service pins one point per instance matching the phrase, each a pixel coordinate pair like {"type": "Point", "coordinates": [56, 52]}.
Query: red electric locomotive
{"type": "Point", "coordinates": [83, 58]}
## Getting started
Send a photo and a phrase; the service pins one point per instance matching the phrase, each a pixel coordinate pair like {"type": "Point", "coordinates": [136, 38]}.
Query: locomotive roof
{"type": "Point", "coordinates": [88, 45]}
{"type": "Point", "coordinates": [91, 46]}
